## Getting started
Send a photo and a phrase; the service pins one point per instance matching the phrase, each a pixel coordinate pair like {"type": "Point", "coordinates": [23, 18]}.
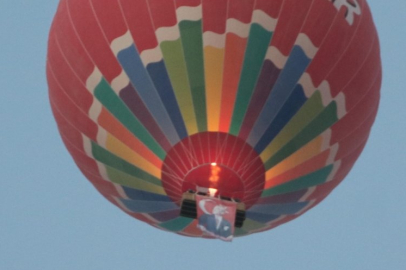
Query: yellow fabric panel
{"type": "Point", "coordinates": [213, 67]}
{"type": "Point", "coordinates": [308, 151]}
{"type": "Point", "coordinates": [121, 150]}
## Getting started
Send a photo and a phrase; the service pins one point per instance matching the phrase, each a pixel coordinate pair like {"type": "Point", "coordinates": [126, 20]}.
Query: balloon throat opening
{"type": "Point", "coordinates": [214, 163]}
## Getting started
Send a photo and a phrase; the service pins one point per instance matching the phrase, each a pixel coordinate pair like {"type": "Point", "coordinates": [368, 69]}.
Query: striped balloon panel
{"type": "Point", "coordinates": [143, 89]}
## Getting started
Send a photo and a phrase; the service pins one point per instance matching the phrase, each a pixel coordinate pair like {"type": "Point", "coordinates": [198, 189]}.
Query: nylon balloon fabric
{"type": "Point", "coordinates": [279, 95]}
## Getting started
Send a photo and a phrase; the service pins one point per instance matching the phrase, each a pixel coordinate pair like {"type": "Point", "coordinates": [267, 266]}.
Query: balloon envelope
{"type": "Point", "coordinates": [267, 101]}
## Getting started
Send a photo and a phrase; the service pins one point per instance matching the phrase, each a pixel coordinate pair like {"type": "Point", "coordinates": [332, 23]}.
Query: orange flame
{"type": "Point", "coordinates": [215, 171]}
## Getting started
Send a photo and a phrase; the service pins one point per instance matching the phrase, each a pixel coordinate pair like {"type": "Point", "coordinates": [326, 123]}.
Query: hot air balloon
{"type": "Point", "coordinates": [266, 104]}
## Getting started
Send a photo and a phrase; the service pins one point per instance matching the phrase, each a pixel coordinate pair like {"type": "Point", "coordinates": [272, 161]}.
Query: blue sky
{"type": "Point", "coordinates": [52, 218]}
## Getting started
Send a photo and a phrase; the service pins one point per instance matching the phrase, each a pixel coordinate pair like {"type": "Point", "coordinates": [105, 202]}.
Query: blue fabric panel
{"type": "Point", "coordinates": [160, 77]}
{"type": "Point", "coordinates": [278, 209]}
{"type": "Point", "coordinates": [290, 108]}
{"type": "Point", "coordinates": [137, 106]}
{"type": "Point", "coordinates": [148, 206]}
{"type": "Point", "coordinates": [139, 195]}
{"type": "Point", "coordinates": [261, 218]}
{"type": "Point", "coordinates": [284, 86]}
{"type": "Point", "coordinates": [139, 77]}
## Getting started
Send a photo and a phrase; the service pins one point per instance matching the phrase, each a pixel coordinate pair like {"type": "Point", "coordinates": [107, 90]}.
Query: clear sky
{"type": "Point", "coordinates": [52, 218]}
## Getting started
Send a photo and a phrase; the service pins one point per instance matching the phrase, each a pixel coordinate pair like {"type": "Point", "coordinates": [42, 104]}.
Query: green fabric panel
{"type": "Point", "coordinates": [319, 124]}
{"type": "Point", "coordinates": [309, 180]}
{"type": "Point", "coordinates": [257, 46]}
{"type": "Point", "coordinates": [302, 118]}
{"type": "Point", "coordinates": [127, 180]}
{"type": "Point", "coordinates": [239, 232]}
{"type": "Point", "coordinates": [192, 42]}
{"type": "Point", "coordinates": [177, 224]}
{"type": "Point", "coordinates": [251, 225]}
{"type": "Point", "coordinates": [175, 64]}
{"type": "Point", "coordinates": [105, 157]}
{"type": "Point", "coordinates": [105, 94]}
